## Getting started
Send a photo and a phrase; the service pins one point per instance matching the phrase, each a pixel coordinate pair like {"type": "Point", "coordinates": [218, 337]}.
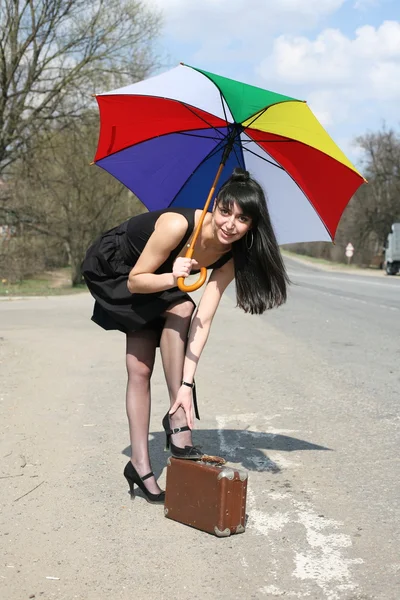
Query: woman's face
{"type": "Point", "coordinates": [230, 224]}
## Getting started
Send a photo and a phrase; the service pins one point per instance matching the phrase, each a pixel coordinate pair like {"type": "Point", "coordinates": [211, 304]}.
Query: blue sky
{"type": "Point", "coordinates": [342, 56]}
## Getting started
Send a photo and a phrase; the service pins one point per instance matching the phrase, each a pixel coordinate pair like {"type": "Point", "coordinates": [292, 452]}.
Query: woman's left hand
{"type": "Point", "coordinates": [184, 399]}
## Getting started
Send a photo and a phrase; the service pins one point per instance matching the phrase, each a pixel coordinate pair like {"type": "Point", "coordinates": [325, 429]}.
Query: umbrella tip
{"type": "Point", "coordinates": [91, 163]}
{"type": "Point", "coordinates": [182, 63]}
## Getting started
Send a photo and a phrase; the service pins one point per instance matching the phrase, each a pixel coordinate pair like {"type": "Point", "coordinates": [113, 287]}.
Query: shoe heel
{"type": "Point", "coordinates": [166, 426]}
{"type": "Point", "coordinates": [131, 488]}
{"type": "Point", "coordinates": [133, 478]}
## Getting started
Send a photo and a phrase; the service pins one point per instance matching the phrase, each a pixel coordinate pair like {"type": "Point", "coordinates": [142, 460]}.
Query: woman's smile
{"type": "Point", "coordinates": [226, 234]}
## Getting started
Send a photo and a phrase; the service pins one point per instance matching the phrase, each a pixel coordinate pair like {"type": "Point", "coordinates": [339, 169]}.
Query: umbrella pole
{"type": "Point", "coordinates": [190, 250]}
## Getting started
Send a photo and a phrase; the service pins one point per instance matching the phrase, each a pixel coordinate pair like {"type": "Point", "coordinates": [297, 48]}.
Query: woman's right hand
{"type": "Point", "coordinates": [182, 267]}
{"type": "Point", "coordinates": [184, 399]}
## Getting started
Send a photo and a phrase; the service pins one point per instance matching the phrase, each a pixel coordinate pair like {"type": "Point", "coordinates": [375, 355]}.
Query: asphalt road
{"type": "Point", "coordinates": [304, 398]}
{"type": "Point", "coordinates": [352, 321]}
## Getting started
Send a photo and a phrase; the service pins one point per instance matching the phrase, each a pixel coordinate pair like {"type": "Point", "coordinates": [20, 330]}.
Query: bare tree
{"type": "Point", "coordinates": [55, 53]}
{"type": "Point", "coordinates": [57, 196]}
{"type": "Point", "coordinates": [377, 205]}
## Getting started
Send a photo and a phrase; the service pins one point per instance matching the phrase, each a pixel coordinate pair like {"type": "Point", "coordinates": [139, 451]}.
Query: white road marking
{"type": "Point", "coordinates": [272, 590]}
{"type": "Point", "coordinates": [323, 561]}
{"type": "Point", "coordinates": [344, 279]}
{"type": "Point", "coordinates": [319, 553]}
{"type": "Point", "coordinates": [260, 461]}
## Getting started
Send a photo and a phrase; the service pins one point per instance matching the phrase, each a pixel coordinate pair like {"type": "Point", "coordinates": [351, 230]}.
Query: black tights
{"type": "Point", "coordinates": [140, 356]}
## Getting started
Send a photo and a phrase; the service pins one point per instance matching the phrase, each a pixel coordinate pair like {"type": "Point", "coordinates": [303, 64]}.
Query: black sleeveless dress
{"type": "Point", "coordinates": [107, 265]}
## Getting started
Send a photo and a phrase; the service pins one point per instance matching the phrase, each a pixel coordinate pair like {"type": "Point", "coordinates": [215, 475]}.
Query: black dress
{"type": "Point", "coordinates": [107, 265]}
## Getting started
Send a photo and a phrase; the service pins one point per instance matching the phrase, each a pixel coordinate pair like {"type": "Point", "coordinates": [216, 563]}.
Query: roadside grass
{"type": "Point", "coordinates": [58, 281]}
{"type": "Point", "coordinates": [49, 283]}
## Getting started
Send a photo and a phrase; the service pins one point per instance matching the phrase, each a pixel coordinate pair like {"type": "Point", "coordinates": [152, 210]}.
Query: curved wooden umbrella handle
{"type": "Point", "coordinates": [189, 252]}
{"type": "Point", "coordinates": [197, 284]}
{"type": "Point", "coordinates": [194, 286]}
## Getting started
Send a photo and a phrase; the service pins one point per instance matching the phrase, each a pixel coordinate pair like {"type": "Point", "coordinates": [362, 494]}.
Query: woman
{"type": "Point", "coordinates": [132, 272]}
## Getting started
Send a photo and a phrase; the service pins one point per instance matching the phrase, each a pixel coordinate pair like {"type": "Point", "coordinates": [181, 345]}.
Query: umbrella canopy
{"type": "Point", "coordinates": [165, 137]}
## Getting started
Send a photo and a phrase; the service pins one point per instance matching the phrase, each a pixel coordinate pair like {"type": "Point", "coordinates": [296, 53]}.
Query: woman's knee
{"type": "Point", "coordinates": [140, 355]}
{"type": "Point", "coordinates": [183, 309]}
{"type": "Point", "coordinates": [139, 371]}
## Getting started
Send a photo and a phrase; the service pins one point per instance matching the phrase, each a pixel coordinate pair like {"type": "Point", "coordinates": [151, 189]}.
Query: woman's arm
{"type": "Point", "coordinates": [198, 334]}
{"type": "Point", "coordinates": [168, 233]}
{"type": "Point", "coordinates": [201, 323]}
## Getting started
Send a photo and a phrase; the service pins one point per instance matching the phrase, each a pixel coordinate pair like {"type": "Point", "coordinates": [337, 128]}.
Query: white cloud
{"type": "Point", "coordinates": [300, 60]}
{"type": "Point", "coordinates": [236, 32]}
{"type": "Point", "coordinates": [366, 4]}
{"type": "Point", "coordinates": [243, 11]}
{"type": "Point", "coordinates": [338, 72]}
{"type": "Point", "coordinates": [351, 82]}
{"type": "Point", "coordinates": [385, 80]}
{"type": "Point", "coordinates": [332, 58]}
{"type": "Point", "coordinates": [215, 24]}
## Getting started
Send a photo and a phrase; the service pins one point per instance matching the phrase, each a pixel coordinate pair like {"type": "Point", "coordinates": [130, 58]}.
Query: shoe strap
{"type": "Point", "coordinates": [151, 474]}
{"type": "Point", "coordinates": [177, 430]}
{"type": "Point", "coordinates": [193, 386]}
{"type": "Point", "coordinates": [196, 409]}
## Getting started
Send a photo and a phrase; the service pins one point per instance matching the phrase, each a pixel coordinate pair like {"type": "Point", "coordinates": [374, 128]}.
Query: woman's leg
{"type": "Point", "coordinates": [140, 355]}
{"type": "Point", "coordinates": [172, 346]}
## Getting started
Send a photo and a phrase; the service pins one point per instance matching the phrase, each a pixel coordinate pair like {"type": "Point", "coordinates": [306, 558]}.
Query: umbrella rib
{"type": "Point", "coordinates": [226, 119]}
{"type": "Point", "coordinates": [257, 116]}
{"type": "Point", "coordinates": [260, 114]}
{"type": "Point", "coordinates": [241, 158]}
{"type": "Point", "coordinates": [274, 164]}
{"type": "Point", "coordinates": [272, 141]}
{"type": "Point", "coordinates": [223, 106]}
{"type": "Point", "coordinates": [238, 142]}
{"type": "Point", "coordinates": [212, 153]}
{"type": "Point", "coordinates": [183, 132]}
{"type": "Point", "coordinates": [209, 155]}
{"type": "Point", "coordinates": [217, 148]}
{"type": "Point", "coordinates": [218, 88]}
{"type": "Point", "coordinates": [203, 137]}
{"type": "Point", "coordinates": [199, 117]}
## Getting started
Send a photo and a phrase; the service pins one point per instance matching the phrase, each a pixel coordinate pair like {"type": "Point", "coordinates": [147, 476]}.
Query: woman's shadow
{"type": "Point", "coordinates": [239, 446]}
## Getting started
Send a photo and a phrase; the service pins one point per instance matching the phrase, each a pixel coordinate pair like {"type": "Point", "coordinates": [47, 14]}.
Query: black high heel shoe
{"type": "Point", "coordinates": [133, 477]}
{"type": "Point", "coordinates": [188, 452]}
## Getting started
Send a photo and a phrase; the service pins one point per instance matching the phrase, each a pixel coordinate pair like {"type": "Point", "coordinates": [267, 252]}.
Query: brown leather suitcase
{"type": "Point", "coordinates": [208, 497]}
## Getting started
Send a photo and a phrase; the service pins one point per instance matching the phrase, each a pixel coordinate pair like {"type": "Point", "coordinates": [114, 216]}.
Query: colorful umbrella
{"type": "Point", "coordinates": [175, 138]}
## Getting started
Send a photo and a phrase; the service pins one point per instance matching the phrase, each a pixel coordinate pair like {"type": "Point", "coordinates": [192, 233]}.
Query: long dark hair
{"type": "Point", "coordinates": [260, 273]}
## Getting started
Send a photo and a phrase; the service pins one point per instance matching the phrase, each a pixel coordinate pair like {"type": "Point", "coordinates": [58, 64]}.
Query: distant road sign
{"type": "Point", "coordinates": [350, 247]}
{"type": "Point", "coordinates": [349, 253]}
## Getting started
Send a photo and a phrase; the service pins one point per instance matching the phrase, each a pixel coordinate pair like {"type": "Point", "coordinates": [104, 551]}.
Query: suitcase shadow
{"type": "Point", "coordinates": [239, 446]}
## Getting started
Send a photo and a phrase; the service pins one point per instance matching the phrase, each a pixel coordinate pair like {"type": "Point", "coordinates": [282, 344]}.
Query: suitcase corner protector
{"type": "Point", "coordinates": [226, 472]}
{"type": "Point", "coordinates": [222, 533]}
{"type": "Point", "coordinates": [243, 475]}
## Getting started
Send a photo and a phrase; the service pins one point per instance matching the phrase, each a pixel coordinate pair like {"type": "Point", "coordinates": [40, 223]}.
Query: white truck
{"type": "Point", "coordinates": [392, 251]}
